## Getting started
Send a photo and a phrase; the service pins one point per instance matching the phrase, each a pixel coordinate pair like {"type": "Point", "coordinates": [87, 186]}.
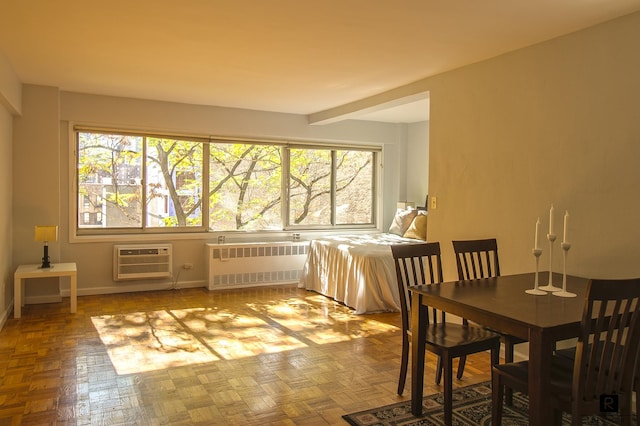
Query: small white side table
{"type": "Point", "coordinates": [35, 271]}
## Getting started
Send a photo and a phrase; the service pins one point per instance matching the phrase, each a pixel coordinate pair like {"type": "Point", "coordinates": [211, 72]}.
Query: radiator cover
{"type": "Point", "coordinates": [255, 264]}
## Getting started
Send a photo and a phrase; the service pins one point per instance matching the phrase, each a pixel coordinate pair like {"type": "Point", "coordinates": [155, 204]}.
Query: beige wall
{"type": "Point", "coordinates": [417, 156]}
{"type": "Point", "coordinates": [36, 185]}
{"type": "Point", "coordinates": [413, 164]}
{"type": "Point", "coordinates": [557, 122]}
{"type": "Point", "coordinates": [10, 103]}
{"type": "Point", "coordinates": [6, 215]}
{"type": "Point", "coordinates": [10, 87]}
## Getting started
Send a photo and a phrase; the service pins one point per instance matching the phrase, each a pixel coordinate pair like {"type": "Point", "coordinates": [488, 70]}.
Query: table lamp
{"type": "Point", "coordinates": [46, 234]}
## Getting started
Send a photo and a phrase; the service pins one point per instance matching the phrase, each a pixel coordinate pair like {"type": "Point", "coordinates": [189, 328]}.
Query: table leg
{"type": "Point", "coordinates": [540, 353]}
{"type": "Point", "coordinates": [418, 336]}
{"type": "Point", "coordinates": [448, 388]}
{"type": "Point", "coordinates": [17, 297]}
{"type": "Point", "coordinates": [74, 293]}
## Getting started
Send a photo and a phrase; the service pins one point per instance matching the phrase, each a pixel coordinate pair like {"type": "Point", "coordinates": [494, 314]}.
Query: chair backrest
{"type": "Point", "coordinates": [477, 258]}
{"type": "Point", "coordinates": [416, 264]}
{"type": "Point", "coordinates": [607, 349]}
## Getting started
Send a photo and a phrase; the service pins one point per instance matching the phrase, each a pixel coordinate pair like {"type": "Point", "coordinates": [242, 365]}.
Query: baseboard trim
{"type": "Point", "coordinates": [130, 287]}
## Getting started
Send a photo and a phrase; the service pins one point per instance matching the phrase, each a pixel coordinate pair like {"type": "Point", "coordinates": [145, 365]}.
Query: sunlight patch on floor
{"type": "Point", "coordinates": [233, 335]}
{"type": "Point", "coordinates": [323, 321]}
{"type": "Point", "coordinates": [146, 341]}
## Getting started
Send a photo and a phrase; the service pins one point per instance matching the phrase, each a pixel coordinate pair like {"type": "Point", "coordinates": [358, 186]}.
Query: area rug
{"type": "Point", "coordinates": [471, 406]}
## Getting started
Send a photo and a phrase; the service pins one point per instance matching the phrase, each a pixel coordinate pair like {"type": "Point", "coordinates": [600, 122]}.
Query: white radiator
{"type": "Point", "coordinates": [255, 264]}
{"type": "Point", "coordinates": [136, 262]}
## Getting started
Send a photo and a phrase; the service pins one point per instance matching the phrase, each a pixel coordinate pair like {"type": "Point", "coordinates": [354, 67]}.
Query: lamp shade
{"type": "Point", "coordinates": [46, 233]}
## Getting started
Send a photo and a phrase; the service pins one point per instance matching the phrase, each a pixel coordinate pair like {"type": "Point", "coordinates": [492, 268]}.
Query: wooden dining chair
{"type": "Point", "coordinates": [570, 354]}
{"type": "Point", "coordinates": [611, 317]}
{"type": "Point", "coordinates": [418, 264]}
{"type": "Point", "coordinates": [479, 259]}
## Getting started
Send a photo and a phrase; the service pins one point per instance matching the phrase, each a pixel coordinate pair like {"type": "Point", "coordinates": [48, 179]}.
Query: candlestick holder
{"type": "Point", "coordinates": [550, 286]}
{"type": "Point", "coordinates": [535, 290]}
{"type": "Point", "coordinates": [564, 293]}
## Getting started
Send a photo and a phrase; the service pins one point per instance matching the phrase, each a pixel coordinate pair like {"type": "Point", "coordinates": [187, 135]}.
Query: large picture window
{"type": "Point", "coordinates": [130, 182]}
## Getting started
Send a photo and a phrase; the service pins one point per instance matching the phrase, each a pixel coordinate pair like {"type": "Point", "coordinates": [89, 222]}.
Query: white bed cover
{"type": "Point", "coordinates": [357, 270]}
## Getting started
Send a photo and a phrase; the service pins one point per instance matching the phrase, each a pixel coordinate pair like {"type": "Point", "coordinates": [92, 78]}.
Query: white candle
{"type": "Point", "coordinates": [535, 242]}
{"type": "Point", "coordinates": [551, 220]}
{"type": "Point", "coordinates": [566, 220]}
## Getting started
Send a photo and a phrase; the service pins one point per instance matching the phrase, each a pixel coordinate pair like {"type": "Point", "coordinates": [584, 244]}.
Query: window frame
{"type": "Point", "coordinates": [333, 219]}
{"type": "Point", "coordinates": [204, 229]}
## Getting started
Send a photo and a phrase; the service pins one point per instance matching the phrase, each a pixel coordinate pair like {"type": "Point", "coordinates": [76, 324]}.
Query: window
{"type": "Point", "coordinates": [354, 187]}
{"type": "Point", "coordinates": [330, 187]}
{"type": "Point", "coordinates": [131, 182]}
{"type": "Point", "coordinates": [173, 191]}
{"type": "Point", "coordinates": [110, 167]}
{"type": "Point", "coordinates": [245, 184]}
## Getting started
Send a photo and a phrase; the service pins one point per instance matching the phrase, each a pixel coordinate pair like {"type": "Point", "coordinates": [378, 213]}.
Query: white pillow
{"type": "Point", "coordinates": [402, 221]}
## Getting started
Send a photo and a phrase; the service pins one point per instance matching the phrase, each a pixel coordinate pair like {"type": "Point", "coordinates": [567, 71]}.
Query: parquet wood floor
{"type": "Point", "coordinates": [261, 356]}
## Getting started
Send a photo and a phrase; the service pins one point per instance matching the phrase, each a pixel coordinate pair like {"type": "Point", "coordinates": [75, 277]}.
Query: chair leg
{"type": "Point", "coordinates": [508, 358]}
{"type": "Point", "coordinates": [625, 410]}
{"type": "Point", "coordinates": [636, 388]}
{"type": "Point", "coordinates": [439, 370]}
{"type": "Point", "coordinates": [404, 362]}
{"type": "Point", "coordinates": [495, 355]}
{"type": "Point", "coordinates": [448, 389]}
{"type": "Point", "coordinates": [576, 420]}
{"type": "Point", "coordinates": [496, 399]}
{"type": "Point", "coordinates": [461, 363]}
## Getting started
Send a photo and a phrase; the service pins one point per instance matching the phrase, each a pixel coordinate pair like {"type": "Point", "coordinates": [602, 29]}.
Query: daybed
{"type": "Point", "coordinates": [358, 269]}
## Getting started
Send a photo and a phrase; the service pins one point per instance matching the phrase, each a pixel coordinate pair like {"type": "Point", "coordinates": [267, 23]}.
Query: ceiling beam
{"type": "Point", "coordinates": [391, 98]}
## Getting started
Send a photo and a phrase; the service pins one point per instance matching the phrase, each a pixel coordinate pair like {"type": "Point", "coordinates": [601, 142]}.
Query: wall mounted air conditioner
{"type": "Point", "coordinates": [136, 262]}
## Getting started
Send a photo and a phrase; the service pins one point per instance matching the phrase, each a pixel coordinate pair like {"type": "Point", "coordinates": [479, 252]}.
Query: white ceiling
{"type": "Point", "coordinates": [292, 56]}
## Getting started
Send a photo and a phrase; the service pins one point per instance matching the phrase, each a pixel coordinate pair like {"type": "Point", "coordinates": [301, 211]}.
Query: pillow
{"type": "Point", "coordinates": [402, 221]}
{"type": "Point", "coordinates": [418, 228]}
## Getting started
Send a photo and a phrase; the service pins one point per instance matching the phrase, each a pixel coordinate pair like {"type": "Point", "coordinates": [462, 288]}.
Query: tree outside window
{"type": "Point", "coordinates": [149, 182]}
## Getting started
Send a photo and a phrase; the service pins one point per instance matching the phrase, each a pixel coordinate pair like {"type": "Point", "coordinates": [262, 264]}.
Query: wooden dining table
{"type": "Point", "coordinates": [500, 303]}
